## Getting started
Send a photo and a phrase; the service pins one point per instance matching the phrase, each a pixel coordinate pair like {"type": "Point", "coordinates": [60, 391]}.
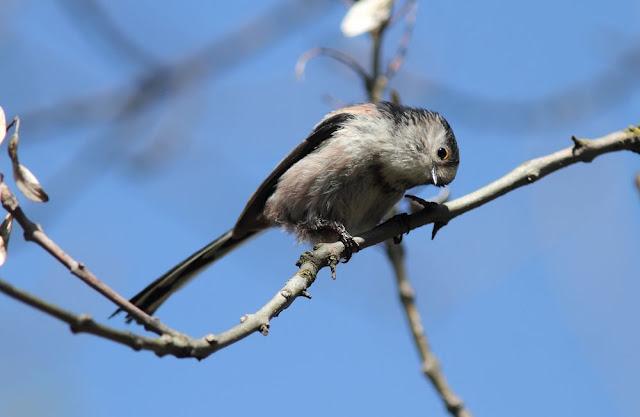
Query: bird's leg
{"type": "Point", "coordinates": [350, 245]}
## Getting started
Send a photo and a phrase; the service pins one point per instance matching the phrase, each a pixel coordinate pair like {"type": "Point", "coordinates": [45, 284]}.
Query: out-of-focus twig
{"type": "Point", "coordinates": [396, 62]}
{"type": "Point", "coordinates": [618, 81]}
{"type": "Point", "coordinates": [341, 57]}
{"type": "Point", "coordinates": [96, 21]}
{"type": "Point", "coordinates": [212, 60]}
{"type": "Point", "coordinates": [161, 83]}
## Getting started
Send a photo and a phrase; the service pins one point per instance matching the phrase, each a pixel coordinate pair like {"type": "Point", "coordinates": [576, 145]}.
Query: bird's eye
{"type": "Point", "coordinates": [443, 154]}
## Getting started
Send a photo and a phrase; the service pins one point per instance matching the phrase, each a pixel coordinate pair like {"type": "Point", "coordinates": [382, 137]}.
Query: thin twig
{"type": "Point", "coordinates": [339, 56]}
{"type": "Point", "coordinates": [328, 254]}
{"type": "Point", "coordinates": [79, 323]}
{"type": "Point", "coordinates": [401, 53]}
{"type": "Point", "coordinates": [394, 247]}
{"type": "Point", "coordinates": [378, 82]}
{"type": "Point", "coordinates": [92, 16]}
{"type": "Point", "coordinates": [430, 364]}
{"type": "Point", "coordinates": [34, 233]}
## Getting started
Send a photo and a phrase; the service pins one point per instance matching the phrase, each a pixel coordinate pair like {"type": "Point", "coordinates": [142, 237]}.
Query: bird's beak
{"type": "Point", "coordinates": [434, 175]}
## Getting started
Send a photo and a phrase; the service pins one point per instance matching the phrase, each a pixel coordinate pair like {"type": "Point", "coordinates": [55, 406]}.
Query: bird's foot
{"type": "Point", "coordinates": [429, 206]}
{"type": "Point", "coordinates": [350, 245]}
{"type": "Point", "coordinates": [426, 205]}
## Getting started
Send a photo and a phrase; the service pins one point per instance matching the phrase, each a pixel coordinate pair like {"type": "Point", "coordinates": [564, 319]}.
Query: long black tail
{"type": "Point", "coordinates": [150, 298]}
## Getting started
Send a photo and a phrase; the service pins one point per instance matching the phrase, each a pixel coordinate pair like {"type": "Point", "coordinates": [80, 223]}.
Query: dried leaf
{"type": "Point", "coordinates": [3, 125]}
{"type": "Point", "coordinates": [5, 234]}
{"type": "Point", "coordinates": [366, 16]}
{"type": "Point", "coordinates": [29, 184]}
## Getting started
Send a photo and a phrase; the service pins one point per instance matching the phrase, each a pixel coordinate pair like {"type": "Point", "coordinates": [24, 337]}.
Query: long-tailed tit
{"type": "Point", "coordinates": [339, 182]}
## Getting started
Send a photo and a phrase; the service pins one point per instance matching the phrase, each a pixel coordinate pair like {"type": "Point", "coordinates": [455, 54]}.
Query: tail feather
{"type": "Point", "coordinates": [154, 294]}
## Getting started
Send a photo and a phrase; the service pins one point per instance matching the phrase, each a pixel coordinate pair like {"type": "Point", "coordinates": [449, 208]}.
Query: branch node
{"type": "Point", "coordinates": [333, 262]}
{"type": "Point", "coordinates": [455, 406]}
{"type": "Point", "coordinates": [264, 329]}
{"type": "Point", "coordinates": [307, 257]}
{"type": "Point", "coordinates": [194, 354]}
{"type": "Point", "coordinates": [634, 129]}
{"type": "Point", "coordinates": [577, 143]}
{"type": "Point", "coordinates": [244, 318]}
{"type": "Point", "coordinates": [156, 324]}
{"type": "Point", "coordinates": [211, 339]}
{"type": "Point", "coordinates": [306, 294]}
{"type": "Point", "coordinates": [286, 293]}
{"type": "Point", "coordinates": [429, 365]}
{"type": "Point", "coordinates": [579, 146]}
{"type": "Point", "coordinates": [137, 344]}
{"type": "Point", "coordinates": [308, 275]}
{"type": "Point", "coordinates": [83, 321]}
{"type": "Point", "coordinates": [407, 294]}
{"type": "Point", "coordinates": [533, 177]}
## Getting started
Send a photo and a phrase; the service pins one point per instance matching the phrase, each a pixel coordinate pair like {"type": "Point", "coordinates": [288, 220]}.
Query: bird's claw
{"type": "Point", "coordinates": [427, 205]}
{"type": "Point", "coordinates": [403, 218]}
{"type": "Point", "coordinates": [350, 245]}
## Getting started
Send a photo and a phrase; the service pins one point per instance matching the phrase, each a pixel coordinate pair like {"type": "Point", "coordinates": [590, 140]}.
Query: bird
{"type": "Point", "coordinates": [339, 182]}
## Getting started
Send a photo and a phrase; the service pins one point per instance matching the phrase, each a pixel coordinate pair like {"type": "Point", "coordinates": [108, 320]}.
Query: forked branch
{"type": "Point", "coordinates": [327, 254]}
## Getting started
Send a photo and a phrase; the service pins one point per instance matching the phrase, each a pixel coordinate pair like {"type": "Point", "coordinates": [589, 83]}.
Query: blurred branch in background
{"type": "Point", "coordinates": [129, 110]}
{"type": "Point", "coordinates": [151, 97]}
{"type": "Point", "coordinates": [615, 84]}
{"type": "Point", "coordinates": [94, 20]}
{"type": "Point", "coordinates": [162, 79]}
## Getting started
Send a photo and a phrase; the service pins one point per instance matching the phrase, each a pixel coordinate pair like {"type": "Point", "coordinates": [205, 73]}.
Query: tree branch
{"type": "Point", "coordinates": [34, 233]}
{"type": "Point", "coordinates": [339, 56]}
{"type": "Point", "coordinates": [328, 254]}
{"type": "Point", "coordinates": [396, 62]}
{"type": "Point", "coordinates": [430, 364]}
{"type": "Point", "coordinates": [394, 247]}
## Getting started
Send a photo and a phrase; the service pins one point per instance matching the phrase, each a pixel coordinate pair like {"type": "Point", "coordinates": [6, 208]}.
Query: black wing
{"type": "Point", "coordinates": [251, 218]}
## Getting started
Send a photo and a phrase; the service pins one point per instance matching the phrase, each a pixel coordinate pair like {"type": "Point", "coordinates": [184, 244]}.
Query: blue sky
{"type": "Point", "coordinates": [530, 302]}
